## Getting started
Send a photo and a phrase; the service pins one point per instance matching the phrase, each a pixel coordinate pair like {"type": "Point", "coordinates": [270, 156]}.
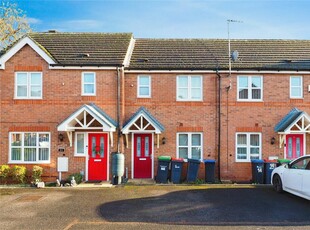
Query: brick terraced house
{"type": "Point", "coordinates": [84, 96]}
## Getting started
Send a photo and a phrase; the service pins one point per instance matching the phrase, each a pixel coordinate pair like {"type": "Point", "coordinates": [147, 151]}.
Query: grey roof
{"type": "Point", "coordinates": [148, 115]}
{"type": "Point", "coordinates": [106, 116]}
{"type": "Point", "coordinates": [92, 49]}
{"type": "Point", "coordinates": [212, 54]}
{"type": "Point", "coordinates": [287, 120]}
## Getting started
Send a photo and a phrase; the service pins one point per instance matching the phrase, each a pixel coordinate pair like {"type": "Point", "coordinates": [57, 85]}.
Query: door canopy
{"type": "Point", "coordinates": [295, 122]}
{"type": "Point", "coordinates": [88, 117]}
{"type": "Point", "coordinates": [142, 122]}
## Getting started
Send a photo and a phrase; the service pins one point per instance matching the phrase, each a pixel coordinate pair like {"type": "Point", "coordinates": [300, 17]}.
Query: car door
{"type": "Point", "coordinates": [294, 175]}
{"type": "Point", "coordinates": [306, 179]}
{"type": "Point", "coordinates": [292, 179]}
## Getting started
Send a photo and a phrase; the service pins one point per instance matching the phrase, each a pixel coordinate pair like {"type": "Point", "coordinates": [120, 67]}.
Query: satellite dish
{"type": "Point", "coordinates": [234, 56]}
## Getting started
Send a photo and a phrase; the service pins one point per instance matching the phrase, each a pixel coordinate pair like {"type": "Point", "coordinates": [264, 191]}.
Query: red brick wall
{"type": "Point", "coordinates": [175, 116]}
{"type": "Point", "coordinates": [61, 97]}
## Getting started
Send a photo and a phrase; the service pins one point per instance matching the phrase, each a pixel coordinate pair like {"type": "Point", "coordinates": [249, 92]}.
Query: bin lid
{"type": "Point", "coordinates": [284, 161]}
{"type": "Point", "coordinates": [193, 160]}
{"type": "Point", "coordinates": [177, 159]}
{"type": "Point", "coordinates": [208, 161]}
{"type": "Point", "coordinates": [257, 161]}
{"type": "Point", "coordinates": [164, 158]}
{"type": "Point", "coordinates": [270, 161]}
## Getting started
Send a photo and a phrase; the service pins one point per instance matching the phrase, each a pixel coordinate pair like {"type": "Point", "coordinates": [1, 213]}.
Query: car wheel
{"type": "Point", "coordinates": [277, 183]}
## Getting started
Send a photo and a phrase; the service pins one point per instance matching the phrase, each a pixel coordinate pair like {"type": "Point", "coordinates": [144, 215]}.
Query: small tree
{"type": "Point", "coordinates": [13, 24]}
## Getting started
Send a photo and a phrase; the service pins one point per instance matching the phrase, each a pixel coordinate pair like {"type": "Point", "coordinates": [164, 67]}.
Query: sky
{"type": "Point", "coordinates": [259, 19]}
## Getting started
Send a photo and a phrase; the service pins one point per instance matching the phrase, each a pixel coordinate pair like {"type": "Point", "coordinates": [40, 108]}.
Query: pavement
{"type": "Point", "coordinates": [147, 206]}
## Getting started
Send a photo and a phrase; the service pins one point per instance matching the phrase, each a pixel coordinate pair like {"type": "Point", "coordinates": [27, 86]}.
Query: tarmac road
{"type": "Point", "coordinates": [153, 207]}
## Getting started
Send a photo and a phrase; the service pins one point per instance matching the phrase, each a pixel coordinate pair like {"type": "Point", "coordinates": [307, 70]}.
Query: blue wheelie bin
{"type": "Point", "coordinates": [192, 170]}
{"type": "Point", "coordinates": [269, 166]}
{"type": "Point", "coordinates": [163, 169]}
{"type": "Point", "coordinates": [209, 171]}
{"type": "Point", "coordinates": [176, 170]}
{"type": "Point", "coordinates": [258, 171]}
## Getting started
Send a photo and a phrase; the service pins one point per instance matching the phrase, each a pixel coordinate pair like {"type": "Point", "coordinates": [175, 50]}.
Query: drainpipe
{"type": "Point", "coordinates": [219, 125]}
{"type": "Point", "coordinates": [118, 109]}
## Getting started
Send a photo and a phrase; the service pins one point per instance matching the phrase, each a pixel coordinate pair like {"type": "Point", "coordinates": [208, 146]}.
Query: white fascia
{"type": "Point", "coordinates": [19, 45]}
{"type": "Point", "coordinates": [222, 71]}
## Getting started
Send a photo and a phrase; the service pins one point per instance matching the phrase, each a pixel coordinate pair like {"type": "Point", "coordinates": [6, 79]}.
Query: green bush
{"type": "Point", "coordinates": [37, 172]}
{"type": "Point", "coordinates": [4, 173]}
{"type": "Point", "coordinates": [19, 173]}
{"type": "Point", "coordinates": [77, 176]}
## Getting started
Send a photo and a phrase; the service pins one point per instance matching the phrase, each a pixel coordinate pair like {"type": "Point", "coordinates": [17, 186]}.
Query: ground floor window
{"type": "Point", "coordinates": [80, 143]}
{"type": "Point", "coordinates": [248, 146]}
{"type": "Point", "coordinates": [189, 145]}
{"type": "Point", "coordinates": [29, 147]}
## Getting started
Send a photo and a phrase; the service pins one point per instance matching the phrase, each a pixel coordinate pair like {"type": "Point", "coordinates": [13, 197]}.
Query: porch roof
{"type": "Point", "coordinates": [295, 121]}
{"type": "Point", "coordinates": [142, 113]}
{"type": "Point", "coordinates": [88, 116]}
{"type": "Point", "coordinates": [287, 120]}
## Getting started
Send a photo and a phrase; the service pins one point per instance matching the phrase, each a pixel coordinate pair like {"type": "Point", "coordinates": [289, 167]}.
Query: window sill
{"type": "Point", "coordinates": [28, 162]}
{"type": "Point", "coordinates": [80, 155]}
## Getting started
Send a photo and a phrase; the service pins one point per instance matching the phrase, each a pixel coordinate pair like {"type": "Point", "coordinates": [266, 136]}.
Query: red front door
{"type": "Point", "coordinates": [143, 155]}
{"type": "Point", "coordinates": [97, 152]}
{"type": "Point", "coordinates": [294, 146]}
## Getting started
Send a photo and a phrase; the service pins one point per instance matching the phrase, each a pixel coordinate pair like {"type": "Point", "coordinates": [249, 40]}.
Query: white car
{"type": "Point", "coordinates": [293, 177]}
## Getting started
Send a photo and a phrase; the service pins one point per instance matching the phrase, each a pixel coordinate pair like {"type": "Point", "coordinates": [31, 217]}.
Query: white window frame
{"type": "Point", "coordinates": [300, 87]}
{"type": "Point", "coordinates": [83, 84]}
{"type": "Point", "coordinates": [140, 85]}
{"type": "Point", "coordinates": [85, 144]}
{"type": "Point", "coordinates": [189, 88]}
{"type": "Point", "coordinates": [22, 161]}
{"type": "Point", "coordinates": [28, 86]}
{"type": "Point", "coordinates": [249, 87]}
{"type": "Point", "coordinates": [247, 146]}
{"type": "Point", "coordinates": [189, 146]}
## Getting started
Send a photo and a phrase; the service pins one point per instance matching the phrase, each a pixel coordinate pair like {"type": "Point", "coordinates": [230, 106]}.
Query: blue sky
{"type": "Point", "coordinates": [264, 19]}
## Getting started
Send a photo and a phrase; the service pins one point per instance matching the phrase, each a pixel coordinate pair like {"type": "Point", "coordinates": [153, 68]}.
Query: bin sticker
{"type": "Point", "coordinates": [162, 168]}
{"type": "Point", "coordinates": [259, 169]}
{"type": "Point", "coordinates": [272, 166]}
{"type": "Point", "coordinates": [176, 167]}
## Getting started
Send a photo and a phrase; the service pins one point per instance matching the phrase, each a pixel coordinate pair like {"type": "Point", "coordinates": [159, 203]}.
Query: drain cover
{"type": "Point", "coordinates": [28, 198]}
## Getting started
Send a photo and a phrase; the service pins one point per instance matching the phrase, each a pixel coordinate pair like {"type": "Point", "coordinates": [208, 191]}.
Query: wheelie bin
{"type": "Point", "coordinates": [258, 171]}
{"type": "Point", "coordinates": [209, 171]}
{"type": "Point", "coordinates": [192, 170]}
{"type": "Point", "coordinates": [163, 169]}
{"type": "Point", "coordinates": [176, 170]}
{"type": "Point", "coordinates": [269, 166]}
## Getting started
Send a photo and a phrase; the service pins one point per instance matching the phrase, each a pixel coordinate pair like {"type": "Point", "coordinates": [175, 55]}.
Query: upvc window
{"type": "Point", "coordinates": [189, 145]}
{"type": "Point", "coordinates": [28, 85]}
{"type": "Point", "coordinates": [248, 146]}
{"type": "Point", "coordinates": [250, 88]}
{"type": "Point", "coordinates": [144, 86]}
{"type": "Point", "coordinates": [80, 144]}
{"type": "Point", "coordinates": [296, 87]}
{"type": "Point", "coordinates": [29, 147]}
{"type": "Point", "coordinates": [189, 88]}
{"type": "Point", "coordinates": [88, 84]}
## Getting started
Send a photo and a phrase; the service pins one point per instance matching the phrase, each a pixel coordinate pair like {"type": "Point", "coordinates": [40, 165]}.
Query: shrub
{"type": "Point", "coordinates": [77, 176]}
{"type": "Point", "coordinates": [37, 172]}
{"type": "Point", "coordinates": [4, 172]}
{"type": "Point", "coordinates": [19, 173]}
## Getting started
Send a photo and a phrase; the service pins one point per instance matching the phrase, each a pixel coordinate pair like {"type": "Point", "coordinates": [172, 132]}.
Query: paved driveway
{"type": "Point", "coordinates": [152, 207]}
